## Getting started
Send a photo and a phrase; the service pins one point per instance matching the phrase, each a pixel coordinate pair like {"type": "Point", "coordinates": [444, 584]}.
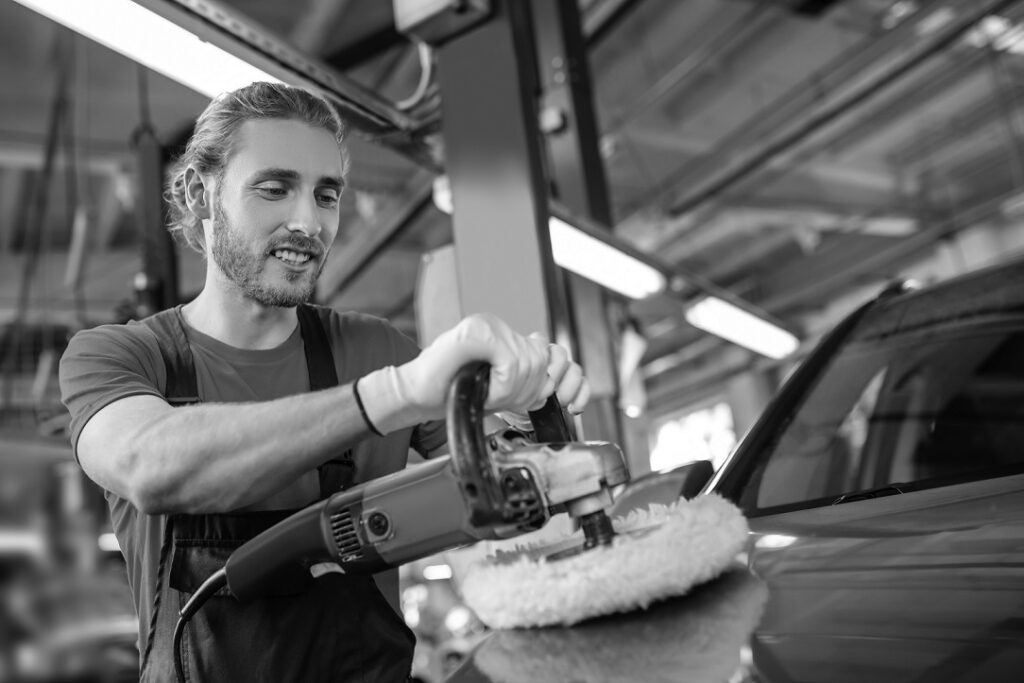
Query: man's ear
{"type": "Point", "coordinates": [197, 193]}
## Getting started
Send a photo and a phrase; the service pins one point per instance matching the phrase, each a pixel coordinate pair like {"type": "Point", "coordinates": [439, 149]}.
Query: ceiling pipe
{"type": "Point", "coordinates": [602, 17]}
{"type": "Point", "coordinates": [736, 35]}
{"type": "Point", "coordinates": [790, 106]}
{"type": "Point", "coordinates": [845, 104]}
{"type": "Point", "coordinates": [877, 264]}
{"type": "Point", "coordinates": [886, 258]}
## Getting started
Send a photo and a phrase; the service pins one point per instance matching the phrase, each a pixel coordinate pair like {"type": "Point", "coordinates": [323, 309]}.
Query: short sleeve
{"type": "Point", "coordinates": [107, 363]}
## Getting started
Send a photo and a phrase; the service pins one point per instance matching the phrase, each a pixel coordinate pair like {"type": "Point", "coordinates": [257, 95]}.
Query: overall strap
{"type": "Point", "coordinates": [181, 386]}
{"type": "Point", "coordinates": [319, 358]}
{"type": "Point", "coordinates": [337, 473]}
{"type": "Point", "coordinates": [181, 389]}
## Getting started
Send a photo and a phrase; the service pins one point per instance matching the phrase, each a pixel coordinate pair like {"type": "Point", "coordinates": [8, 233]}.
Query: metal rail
{"type": "Point", "coordinates": [370, 115]}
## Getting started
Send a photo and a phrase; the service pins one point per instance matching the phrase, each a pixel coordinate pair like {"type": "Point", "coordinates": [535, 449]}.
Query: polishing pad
{"type": "Point", "coordinates": [660, 551]}
{"type": "Point", "coordinates": [696, 637]}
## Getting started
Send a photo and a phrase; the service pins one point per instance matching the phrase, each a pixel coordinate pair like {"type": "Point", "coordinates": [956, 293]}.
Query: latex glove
{"type": "Point", "coordinates": [565, 380]}
{"type": "Point", "coordinates": [396, 397]}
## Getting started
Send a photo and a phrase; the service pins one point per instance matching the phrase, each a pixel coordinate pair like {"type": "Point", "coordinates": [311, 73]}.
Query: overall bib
{"type": "Point", "coordinates": [332, 628]}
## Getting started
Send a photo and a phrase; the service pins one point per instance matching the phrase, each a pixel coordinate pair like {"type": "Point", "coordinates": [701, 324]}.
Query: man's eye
{"type": "Point", "coordinates": [327, 198]}
{"type": "Point", "coordinates": [272, 190]}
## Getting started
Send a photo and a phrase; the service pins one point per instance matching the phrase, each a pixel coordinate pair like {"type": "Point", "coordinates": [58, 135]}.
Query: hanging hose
{"type": "Point", "coordinates": [218, 580]}
{"type": "Point", "coordinates": [426, 75]}
{"type": "Point", "coordinates": [35, 226]}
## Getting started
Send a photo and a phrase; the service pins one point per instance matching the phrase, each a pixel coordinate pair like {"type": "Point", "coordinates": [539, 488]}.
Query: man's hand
{"type": "Point", "coordinates": [565, 380]}
{"type": "Point", "coordinates": [524, 372]}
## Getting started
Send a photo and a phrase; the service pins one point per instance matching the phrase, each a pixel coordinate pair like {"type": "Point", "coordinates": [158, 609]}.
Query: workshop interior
{"type": "Point", "coordinates": [688, 194]}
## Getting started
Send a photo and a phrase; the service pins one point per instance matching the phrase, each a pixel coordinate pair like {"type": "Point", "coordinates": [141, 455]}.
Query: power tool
{"type": "Point", "coordinates": [488, 487]}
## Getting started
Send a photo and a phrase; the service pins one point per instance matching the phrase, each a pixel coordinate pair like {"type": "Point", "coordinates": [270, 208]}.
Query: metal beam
{"type": "Point", "coordinates": [315, 25]}
{"type": "Point", "coordinates": [364, 110]}
{"type": "Point", "coordinates": [603, 16]}
{"type": "Point", "coordinates": [737, 36]}
{"type": "Point", "coordinates": [367, 47]}
{"type": "Point", "coordinates": [577, 180]}
{"type": "Point", "coordinates": [159, 290]}
{"type": "Point", "coordinates": [12, 186]}
{"type": "Point", "coordinates": [838, 104]}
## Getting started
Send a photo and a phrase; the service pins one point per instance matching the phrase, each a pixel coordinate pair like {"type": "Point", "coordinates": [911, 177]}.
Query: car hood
{"type": "Point", "coordinates": [903, 591]}
{"type": "Point", "coordinates": [695, 637]}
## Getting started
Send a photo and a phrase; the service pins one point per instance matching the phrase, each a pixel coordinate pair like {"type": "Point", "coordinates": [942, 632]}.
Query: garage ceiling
{"type": "Point", "coordinates": [798, 153]}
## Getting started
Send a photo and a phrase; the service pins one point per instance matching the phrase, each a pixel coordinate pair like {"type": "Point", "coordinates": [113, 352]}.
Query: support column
{"type": "Point", "coordinates": [157, 284]}
{"type": "Point", "coordinates": [577, 181]}
{"type": "Point", "coordinates": [494, 163]}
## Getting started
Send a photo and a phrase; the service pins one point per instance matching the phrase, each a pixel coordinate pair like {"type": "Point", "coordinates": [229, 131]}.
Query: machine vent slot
{"type": "Point", "coordinates": [344, 532]}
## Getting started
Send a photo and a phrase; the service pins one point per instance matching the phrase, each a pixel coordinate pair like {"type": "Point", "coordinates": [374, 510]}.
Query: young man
{"type": "Point", "coordinates": [210, 422]}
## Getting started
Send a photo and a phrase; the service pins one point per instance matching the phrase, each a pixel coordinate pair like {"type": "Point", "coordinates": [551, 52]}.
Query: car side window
{"type": "Point", "coordinates": [900, 413]}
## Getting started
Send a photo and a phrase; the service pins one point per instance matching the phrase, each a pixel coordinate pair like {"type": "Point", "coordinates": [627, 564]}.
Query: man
{"type": "Point", "coordinates": [208, 423]}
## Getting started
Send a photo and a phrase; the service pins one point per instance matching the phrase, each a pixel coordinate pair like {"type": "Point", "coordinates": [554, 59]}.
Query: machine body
{"type": "Point", "coordinates": [488, 488]}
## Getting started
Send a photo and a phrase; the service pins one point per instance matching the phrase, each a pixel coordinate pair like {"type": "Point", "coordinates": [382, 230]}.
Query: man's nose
{"type": "Point", "coordinates": [305, 220]}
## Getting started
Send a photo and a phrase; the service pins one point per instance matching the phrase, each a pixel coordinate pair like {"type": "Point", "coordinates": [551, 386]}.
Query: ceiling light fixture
{"type": "Point", "coordinates": [732, 323]}
{"type": "Point", "coordinates": [584, 254]}
{"type": "Point", "coordinates": [153, 41]}
{"type": "Point", "coordinates": [606, 260]}
{"type": "Point", "coordinates": [602, 263]}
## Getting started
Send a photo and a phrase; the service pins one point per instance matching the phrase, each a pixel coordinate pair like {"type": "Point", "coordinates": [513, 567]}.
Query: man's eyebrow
{"type": "Point", "coordinates": [335, 182]}
{"type": "Point", "coordinates": [275, 174]}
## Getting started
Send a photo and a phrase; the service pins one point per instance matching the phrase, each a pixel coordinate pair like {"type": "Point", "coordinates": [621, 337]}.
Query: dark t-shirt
{"type": "Point", "coordinates": [107, 363]}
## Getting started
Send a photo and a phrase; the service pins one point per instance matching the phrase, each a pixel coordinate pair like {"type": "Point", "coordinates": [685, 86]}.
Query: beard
{"type": "Point", "coordinates": [246, 267]}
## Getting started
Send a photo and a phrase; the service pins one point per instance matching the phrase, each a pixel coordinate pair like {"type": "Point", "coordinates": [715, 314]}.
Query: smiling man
{"type": "Point", "coordinates": [207, 423]}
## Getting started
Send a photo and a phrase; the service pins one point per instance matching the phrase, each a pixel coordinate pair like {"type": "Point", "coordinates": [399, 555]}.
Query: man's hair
{"type": "Point", "coordinates": [210, 146]}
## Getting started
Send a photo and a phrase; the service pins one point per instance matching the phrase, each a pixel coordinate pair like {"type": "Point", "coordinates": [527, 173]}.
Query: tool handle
{"type": "Point", "coordinates": [468, 446]}
{"type": "Point", "coordinates": [487, 502]}
{"type": "Point", "coordinates": [551, 423]}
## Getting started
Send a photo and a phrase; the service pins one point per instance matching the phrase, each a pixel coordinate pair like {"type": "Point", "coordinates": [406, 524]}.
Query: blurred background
{"type": "Point", "coordinates": [797, 154]}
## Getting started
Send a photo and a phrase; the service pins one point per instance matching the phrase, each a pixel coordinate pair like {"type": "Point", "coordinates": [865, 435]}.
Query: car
{"type": "Point", "coordinates": [884, 490]}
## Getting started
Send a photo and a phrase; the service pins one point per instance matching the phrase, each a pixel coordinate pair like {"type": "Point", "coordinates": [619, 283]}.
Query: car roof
{"type": "Point", "coordinates": [997, 290]}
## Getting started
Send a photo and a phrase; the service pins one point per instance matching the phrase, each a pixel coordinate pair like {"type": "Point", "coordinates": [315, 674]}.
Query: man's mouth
{"type": "Point", "coordinates": [294, 258]}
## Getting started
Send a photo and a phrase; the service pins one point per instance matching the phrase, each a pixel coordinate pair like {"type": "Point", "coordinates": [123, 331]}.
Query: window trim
{"type": "Point", "coordinates": [745, 463]}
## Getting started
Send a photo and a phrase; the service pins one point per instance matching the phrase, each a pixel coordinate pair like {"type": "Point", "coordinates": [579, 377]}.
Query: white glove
{"type": "Point", "coordinates": [524, 371]}
{"type": "Point", "coordinates": [565, 380]}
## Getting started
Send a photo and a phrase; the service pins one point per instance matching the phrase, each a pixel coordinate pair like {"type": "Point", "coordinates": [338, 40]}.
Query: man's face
{"type": "Point", "coordinates": [275, 211]}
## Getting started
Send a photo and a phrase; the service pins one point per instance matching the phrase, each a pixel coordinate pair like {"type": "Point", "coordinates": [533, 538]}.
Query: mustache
{"type": "Point", "coordinates": [300, 242]}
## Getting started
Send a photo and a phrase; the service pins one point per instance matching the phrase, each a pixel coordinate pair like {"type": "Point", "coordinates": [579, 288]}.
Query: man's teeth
{"type": "Point", "coordinates": [291, 256]}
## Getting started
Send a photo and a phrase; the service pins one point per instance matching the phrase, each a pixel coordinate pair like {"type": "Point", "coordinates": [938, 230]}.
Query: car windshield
{"type": "Point", "coordinates": [898, 410]}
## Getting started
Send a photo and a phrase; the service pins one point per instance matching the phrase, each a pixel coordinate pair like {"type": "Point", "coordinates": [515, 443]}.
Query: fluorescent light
{"type": "Point", "coordinates": [108, 543]}
{"type": "Point", "coordinates": [19, 541]}
{"type": "Point", "coordinates": [609, 267]}
{"type": "Point", "coordinates": [153, 41]}
{"type": "Point", "coordinates": [730, 322]}
{"type": "Point", "coordinates": [442, 194]}
{"type": "Point", "coordinates": [775, 541]}
{"type": "Point", "coordinates": [587, 256]}
{"type": "Point", "coordinates": [437, 572]}
{"type": "Point", "coordinates": [458, 618]}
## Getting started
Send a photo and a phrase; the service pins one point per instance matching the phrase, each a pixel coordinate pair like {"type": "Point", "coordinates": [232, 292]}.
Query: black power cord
{"type": "Point", "coordinates": [217, 580]}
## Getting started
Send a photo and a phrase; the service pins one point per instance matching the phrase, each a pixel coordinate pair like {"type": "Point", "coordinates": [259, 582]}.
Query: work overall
{"type": "Point", "coordinates": [332, 628]}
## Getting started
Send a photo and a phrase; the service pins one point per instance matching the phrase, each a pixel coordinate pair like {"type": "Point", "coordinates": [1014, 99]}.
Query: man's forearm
{"type": "Point", "coordinates": [220, 457]}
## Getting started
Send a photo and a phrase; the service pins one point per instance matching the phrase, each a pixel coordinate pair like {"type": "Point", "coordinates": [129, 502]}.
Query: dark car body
{"type": "Point", "coordinates": [884, 488]}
